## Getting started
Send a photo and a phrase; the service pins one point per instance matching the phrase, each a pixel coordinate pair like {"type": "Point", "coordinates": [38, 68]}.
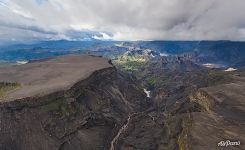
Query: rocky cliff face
{"type": "Point", "coordinates": [84, 102]}
{"type": "Point", "coordinates": [85, 116]}
{"type": "Point", "coordinates": [208, 117]}
{"type": "Point", "coordinates": [194, 108]}
{"type": "Point", "coordinates": [218, 116]}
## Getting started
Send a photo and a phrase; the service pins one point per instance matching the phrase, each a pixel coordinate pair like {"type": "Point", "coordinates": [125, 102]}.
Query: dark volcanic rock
{"type": "Point", "coordinates": [87, 115]}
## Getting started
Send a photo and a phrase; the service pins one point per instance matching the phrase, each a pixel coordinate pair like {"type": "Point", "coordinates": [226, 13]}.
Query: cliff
{"type": "Point", "coordinates": [68, 102]}
{"type": "Point", "coordinates": [218, 116]}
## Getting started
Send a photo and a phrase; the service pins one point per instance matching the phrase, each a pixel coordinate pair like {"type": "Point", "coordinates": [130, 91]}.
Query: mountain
{"type": "Point", "coordinates": [52, 104]}
{"type": "Point", "coordinates": [225, 52]}
{"type": "Point", "coordinates": [45, 49]}
{"type": "Point", "coordinates": [221, 53]}
{"type": "Point", "coordinates": [192, 103]}
{"type": "Point", "coordinates": [145, 95]}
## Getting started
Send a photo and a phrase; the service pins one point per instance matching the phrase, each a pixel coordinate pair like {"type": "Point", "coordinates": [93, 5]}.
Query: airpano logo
{"type": "Point", "coordinates": [229, 143]}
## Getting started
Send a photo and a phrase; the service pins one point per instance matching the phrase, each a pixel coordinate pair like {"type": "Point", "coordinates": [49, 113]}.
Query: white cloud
{"type": "Point", "coordinates": [82, 26]}
{"type": "Point", "coordinates": [123, 19]}
{"type": "Point", "coordinates": [103, 36]}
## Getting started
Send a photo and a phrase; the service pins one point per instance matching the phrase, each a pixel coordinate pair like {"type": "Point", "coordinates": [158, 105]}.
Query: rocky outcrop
{"type": "Point", "coordinates": [217, 115]}
{"type": "Point", "coordinates": [86, 115]}
{"type": "Point", "coordinates": [200, 121]}
{"type": "Point", "coordinates": [201, 101]}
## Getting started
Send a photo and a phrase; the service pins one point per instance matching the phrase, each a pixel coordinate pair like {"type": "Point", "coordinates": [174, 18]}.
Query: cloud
{"type": "Point", "coordinates": [123, 19]}
{"type": "Point", "coordinates": [103, 36]}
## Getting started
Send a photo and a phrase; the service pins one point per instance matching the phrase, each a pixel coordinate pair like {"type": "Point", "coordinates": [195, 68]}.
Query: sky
{"type": "Point", "coordinates": [34, 20]}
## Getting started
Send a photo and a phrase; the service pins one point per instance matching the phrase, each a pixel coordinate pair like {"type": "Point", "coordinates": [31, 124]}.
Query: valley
{"type": "Point", "coordinates": [191, 103]}
{"type": "Point", "coordinates": [122, 75]}
{"type": "Point", "coordinates": [124, 97]}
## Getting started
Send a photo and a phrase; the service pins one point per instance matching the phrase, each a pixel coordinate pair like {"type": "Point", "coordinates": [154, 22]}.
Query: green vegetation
{"type": "Point", "coordinates": [61, 108]}
{"type": "Point", "coordinates": [151, 82]}
{"type": "Point", "coordinates": [130, 63]}
{"type": "Point", "coordinates": [133, 64]}
{"type": "Point", "coordinates": [182, 139]}
{"type": "Point", "coordinates": [6, 87]}
{"type": "Point", "coordinates": [214, 78]}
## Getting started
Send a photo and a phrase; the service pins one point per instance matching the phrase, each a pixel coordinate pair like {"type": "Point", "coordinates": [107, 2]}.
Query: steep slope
{"type": "Point", "coordinates": [206, 119]}
{"type": "Point", "coordinates": [221, 117]}
{"type": "Point", "coordinates": [193, 107]}
{"type": "Point", "coordinates": [84, 111]}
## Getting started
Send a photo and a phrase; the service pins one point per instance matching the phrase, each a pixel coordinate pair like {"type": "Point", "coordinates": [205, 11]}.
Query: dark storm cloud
{"type": "Point", "coordinates": [126, 19]}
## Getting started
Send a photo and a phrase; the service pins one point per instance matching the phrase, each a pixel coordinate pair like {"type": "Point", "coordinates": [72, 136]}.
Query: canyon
{"type": "Point", "coordinates": [89, 102]}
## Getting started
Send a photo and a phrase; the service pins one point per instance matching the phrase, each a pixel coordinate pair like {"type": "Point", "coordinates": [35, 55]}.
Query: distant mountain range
{"type": "Point", "coordinates": [226, 52]}
{"type": "Point", "coordinates": [45, 49]}
{"type": "Point", "coordinates": [222, 52]}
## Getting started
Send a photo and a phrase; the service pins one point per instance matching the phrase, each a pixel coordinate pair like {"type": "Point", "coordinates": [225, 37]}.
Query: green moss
{"type": "Point", "coordinates": [151, 82]}
{"type": "Point", "coordinates": [182, 143]}
{"type": "Point", "coordinates": [53, 106]}
{"type": "Point", "coordinates": [129, 63]}
{"type": "Point", "coordinates": [131, 66]}
{"type": "Point", "coordinates": [61, 108]}
{"type": "Point", "coordinates": [214, 78]}
{"type": "Point", "coordinates": [6, 87]}
{"type": "Point", "coordinates": [182, 140]}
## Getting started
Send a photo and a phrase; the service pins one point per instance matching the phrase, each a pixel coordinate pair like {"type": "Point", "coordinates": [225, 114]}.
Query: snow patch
{"type": "Point", "coordinates": [147, 93]}
{"type": "Point", "coordinates": [210, 65]}
{"type": "Point", "coordinates": [21, 62]}
{"type": "Point", "coordinates": [163, 54]}
{"type": "Point", "coordinates": [230, 69]}
{"type": "Point", "coordinates": [152, 55]}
